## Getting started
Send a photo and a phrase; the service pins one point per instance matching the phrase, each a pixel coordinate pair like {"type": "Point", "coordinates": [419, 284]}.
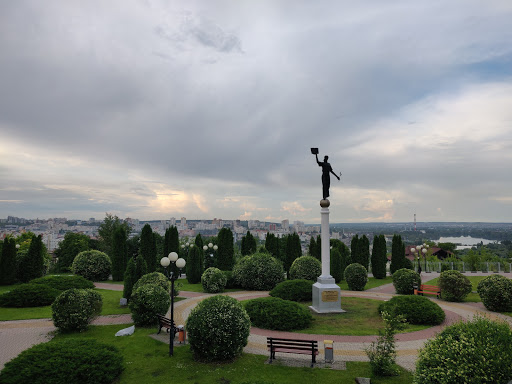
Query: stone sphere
{"type": "Point", "coordinates": [324, 203]}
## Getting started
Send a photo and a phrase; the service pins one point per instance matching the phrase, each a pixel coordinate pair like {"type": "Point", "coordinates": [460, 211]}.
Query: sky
{"type": "Point", "coordinates": [159, 109]}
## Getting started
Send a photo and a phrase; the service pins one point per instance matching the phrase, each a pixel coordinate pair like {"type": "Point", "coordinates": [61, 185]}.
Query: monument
{"type": "Point", "coordinates": [326, 293]}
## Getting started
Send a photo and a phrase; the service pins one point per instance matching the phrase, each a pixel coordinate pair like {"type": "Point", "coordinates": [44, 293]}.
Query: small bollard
{"type": "Point", "coordinates": [328, 351]}
{"type": "Point", "coordinates": [182, 334]}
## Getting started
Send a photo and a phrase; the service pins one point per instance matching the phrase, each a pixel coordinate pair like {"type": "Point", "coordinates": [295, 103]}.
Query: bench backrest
{"type": "Point", "coordinates": [292, 343]}
{"type": "Point", "coordinates": [424, 287]}
{"type": "Point", "coordinates": [164, 320]}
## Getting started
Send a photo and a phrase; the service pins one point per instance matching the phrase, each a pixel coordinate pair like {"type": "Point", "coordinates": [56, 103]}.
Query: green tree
{"type": "Point", "coordinates": [106, 231]}
{"type": "Point", "coordinates": [33, 263]}
{"type": "Point", "coordinates": [193, 266]}
{"type": "Point", "coordinates": [315, 247]}
{"type": "Point", "coordinates": [379, 257]}
{"type": "Point", "coordinates": [272, 245]}
{"type": "Point", "coordinates": [199, 244]}
{"type": "Point", "coordinates": [336, 265]}
{"type": "Point", "coordinates": [450, 247]}
{"type": "Point", "coordinates": [397, 254]}
{"type": "Point", "coordinates": [8, 262]}
{"type": "Point", "coordinates": [225, 254]}
{"type": "Point", "coordinates": [147, 247]}
{"type": "Point", "coordinates": [72, 245]}
{"type": "Point", "coordinates": [293, 250]}
{"type": "Point", "coordinates": [119, 253]}
{"type": "Point", "coordinates": [248, 244]}
{"type": "Point", "coordinates": [364, 251]}
{"type": "Point", "coordinates": [135, 269]}
{"type": "Point", "coordinates": [354, 249]}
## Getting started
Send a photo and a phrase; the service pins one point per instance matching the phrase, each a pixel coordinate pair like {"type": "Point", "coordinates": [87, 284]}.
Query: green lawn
{"type": "Point", "coordinates": [110, 307]}
{"type": "Point", "coordinates": [147, 361]}
{"type": "Point", "coordinates": [372, 283]}
{"type": "Point", "coordinates": [361, 319]}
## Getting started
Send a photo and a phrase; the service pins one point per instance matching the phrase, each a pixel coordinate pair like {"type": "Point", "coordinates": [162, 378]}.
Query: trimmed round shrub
{"type": "Point", "coordinates": [294, 290]}
{"type": "Point", "coordinates": [29, 295]}
{"type": "Point", "coordinates": [218, 329]}
{"type": "Point", "coordinates": [84, 361]}
{"type": "Point", "coordinates": [93, 265]}
{"type": "Point", "coordinates": [356, 277]}
{"type": "Point", "coordinates": [258, 272]}
{"type": "Point", "coordinates": [454, 286]}
{"type": "Point", "coordinates": [213, 280]}
{"type": "Point", "coordinates": [405, 280]}
{"type": "Point", "coordinates": [496, 293]}
{"type": "Point", "coordinates": [74, 309]}
{"type": "Point", "coordinates": [155, 278]}
{"type": "Point", "coordinates": [278, 314]}
{"type": "Point", "coordinates": [63, 282]}
{"type": "Point", "coordinates": [416, 309]}
{"type": "Point", "coordinates": [146, 302]}
{"type": "Point", "coordinates": [305, 267]}
{"type": "Point", "coordinates": [473, 352]}
{"type": "Point", "coordinates": [230, 279]}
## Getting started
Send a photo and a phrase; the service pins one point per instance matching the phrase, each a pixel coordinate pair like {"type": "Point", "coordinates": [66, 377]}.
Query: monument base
{"type": "Point", "coordinates": [326, 296]}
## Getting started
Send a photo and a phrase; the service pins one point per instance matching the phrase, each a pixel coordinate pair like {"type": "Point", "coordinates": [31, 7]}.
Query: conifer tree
{"type": "Point", "coordinates": [193, 266]}
{"type": "Point", "coordinates": [397, 254]}
{"type": "Point", "coordinates": [119, 253]}
{"type": "Point", "coordinates": [293, 250]}
{"type": "Point", "coordinates": [147, 247]}
{"type": "Point", "coordinates": [354, 249]}
{"type": "Point", "coordinates": [8, 262]}
{"type": "Point", "coordinates": [379, 257]}
{"type": "Point", "coordinates": [363, 249]}
{"type": "Point", "coordinates": [336, 265]}
{"type": "Point", "coordinates": [248, 246]}
{"type": "Point", "coordinates": [225, 253]}
{"type": "Point", "coordinates": [272, 245]}
{"type": "Point", "coordinates": [33, 262]}
{"type": "Point", "coordinates": [199, 244]}
{"type": "Point", "coordinates": [135, 269]}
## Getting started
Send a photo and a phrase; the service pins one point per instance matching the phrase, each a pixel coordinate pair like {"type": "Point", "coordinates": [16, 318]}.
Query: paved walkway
{"type": "Point", "coordinates": [16, 336]}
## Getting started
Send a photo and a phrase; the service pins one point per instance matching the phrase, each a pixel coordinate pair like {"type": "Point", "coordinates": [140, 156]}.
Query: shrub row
{"type": "Point", "coordinates": [415, 309]}
{"type": "Point", "coordinates": [278, 314]}
{"type": "Point", "coordinates": [294, 290]}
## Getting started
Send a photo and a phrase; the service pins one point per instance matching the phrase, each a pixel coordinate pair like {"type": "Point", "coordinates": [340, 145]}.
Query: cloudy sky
{"type": "Point", "coordinates": [158, 109]}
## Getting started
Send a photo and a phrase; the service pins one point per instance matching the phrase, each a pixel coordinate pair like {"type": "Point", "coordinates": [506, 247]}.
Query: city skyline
{"type": "Point", "coordinates": [156, 109]}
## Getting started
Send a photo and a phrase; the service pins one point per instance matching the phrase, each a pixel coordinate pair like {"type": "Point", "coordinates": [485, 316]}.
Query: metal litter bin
{"type": "Point", "coordinates": [328, 351]}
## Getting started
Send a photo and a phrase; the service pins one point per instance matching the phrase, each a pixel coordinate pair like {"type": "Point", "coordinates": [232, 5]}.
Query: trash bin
{"type": "Point", "coordinates": [182, 334]}
{"type": "Point", "coordinates": [328, 351]}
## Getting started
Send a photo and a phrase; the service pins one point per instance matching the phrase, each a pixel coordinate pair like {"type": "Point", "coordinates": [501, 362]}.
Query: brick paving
{"type": "Point", "coordinates": [16, 336]}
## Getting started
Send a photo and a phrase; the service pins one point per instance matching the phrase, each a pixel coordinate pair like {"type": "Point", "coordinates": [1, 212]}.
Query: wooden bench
{"type": "Point", "coordinates": [164, 322]}
{"type": "Point", "coordinates": [428, 289]}
{"type": "Point", "coordinates": [305, 347]}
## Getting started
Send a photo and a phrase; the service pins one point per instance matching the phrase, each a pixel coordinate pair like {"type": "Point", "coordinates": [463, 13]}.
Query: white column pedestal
{"type": "Point", "coordinates": [326, 293]}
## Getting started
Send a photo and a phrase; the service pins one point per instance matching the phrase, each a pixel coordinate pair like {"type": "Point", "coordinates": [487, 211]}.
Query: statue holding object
{"type": "Point", "coordinates": [326, 171]}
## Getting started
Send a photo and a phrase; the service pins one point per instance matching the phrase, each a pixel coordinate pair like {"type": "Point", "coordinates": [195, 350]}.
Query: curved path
{"type": "Point", "coordinates": [16, 336]}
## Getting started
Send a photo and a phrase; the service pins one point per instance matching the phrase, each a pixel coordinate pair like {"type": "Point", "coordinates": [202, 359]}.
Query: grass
{"type": "Point", "coordinates": [110, 307]}
{"type": "Point", "coordinates": [184, 285]}
{"type": "Point", "coordinates": [147, 361]}
{"type": "Point", "coordinates": [361, 319]}
{"type": "Point", "coordinates": [372, 283]}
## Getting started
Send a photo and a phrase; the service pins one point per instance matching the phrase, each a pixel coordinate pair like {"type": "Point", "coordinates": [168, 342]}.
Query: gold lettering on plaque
{"type": "Point", "coordinates": [328, 296]}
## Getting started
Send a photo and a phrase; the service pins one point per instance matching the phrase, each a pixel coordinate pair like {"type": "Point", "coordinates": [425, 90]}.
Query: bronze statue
{"type": "Point", "coordinates": [326, 171]}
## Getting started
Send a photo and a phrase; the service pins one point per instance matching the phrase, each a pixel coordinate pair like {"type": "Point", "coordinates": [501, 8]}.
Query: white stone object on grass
{"type": "Point", "coordinates": [126, 332]}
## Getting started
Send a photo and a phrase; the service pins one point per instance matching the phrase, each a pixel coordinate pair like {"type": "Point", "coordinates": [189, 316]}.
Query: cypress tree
{"type": "Point", "coordinates": [363, 248]}
{"type": "Point", "coordinates": [147, 247]}
{"type": "Point", "coordinates": [8, 262]}
{"type": "Point", "coordinates": [119, 253]}
{"type": "Point", "coordinates": [128, 278]}
{"type": "Point", "coordinates": [272, 245]}
{"type": "Point", "coordinates": [225, 253]}
{"type": "Point", "coordinates": [248, 246]}
{"type": "Point", "coordinates": [379, 257]}
{"type": "Point", "coordinates": [336, 265]}
{"type": "Point", "coordinates": [174, 240]}
{"type": "Point", "coordinates": [32, 265]}
{"type": "Point", "coordinates": [312, 245]}
{"type": "Point", "coordinates": [199, 244]}
{"type": "Point", "coordinates": [193, 266]}
{"type": "Point", "coordinates": [293, 250]}
{"type": "Point", "coordinates": [345, 259]}
{"type": "Point", "coordinates": [397, 254]}
{"type": "Point", "coordinates": [165, 247]}
{"type": "Point", "coordinates": [354, 249]}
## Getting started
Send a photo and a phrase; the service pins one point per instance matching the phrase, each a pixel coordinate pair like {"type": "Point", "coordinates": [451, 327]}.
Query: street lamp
{"type": "Point", "coordinates": [212, 248]}
{"type": "Point", "coordinates": [180, 263]}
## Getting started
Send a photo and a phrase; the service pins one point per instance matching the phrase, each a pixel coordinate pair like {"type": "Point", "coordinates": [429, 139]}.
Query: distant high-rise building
{"type": "Point", "coordinates": [285, 224]}
{"type": "Point", "coordinates": [183, 222]}
{"type": "Point", "coordinates": [272, 227]}
{"type": "Point", "coordinates": [172, 222]}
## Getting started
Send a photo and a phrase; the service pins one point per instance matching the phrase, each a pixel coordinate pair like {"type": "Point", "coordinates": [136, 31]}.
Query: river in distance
{"type": "Point", "coordinates": [464, 241]}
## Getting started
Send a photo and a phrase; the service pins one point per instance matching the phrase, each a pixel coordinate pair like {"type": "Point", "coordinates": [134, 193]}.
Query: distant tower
{"type": "Point", "coordinates": [415, 222]}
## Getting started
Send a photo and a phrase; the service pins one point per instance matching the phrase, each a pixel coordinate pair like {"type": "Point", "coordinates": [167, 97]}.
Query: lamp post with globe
{"type": "Point", "coordinates": [209, 250]}
{"type": "Point", "coordinates": [173, 259]}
